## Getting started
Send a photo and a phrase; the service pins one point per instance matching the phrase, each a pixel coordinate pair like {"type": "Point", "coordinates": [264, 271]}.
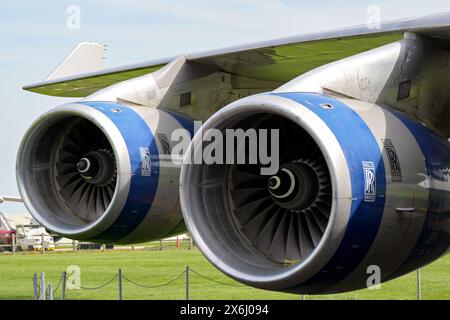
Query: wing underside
{"type": "Point", "coordinates": [279, 60]}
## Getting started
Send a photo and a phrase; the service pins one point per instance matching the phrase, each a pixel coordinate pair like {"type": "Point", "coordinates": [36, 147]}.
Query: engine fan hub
{"type": "Point", "coordinates": [97, 167]}
{"type": "Point", "coordinates": [295, 186]}
{"type": "Point", "coordinates": [84, 165]}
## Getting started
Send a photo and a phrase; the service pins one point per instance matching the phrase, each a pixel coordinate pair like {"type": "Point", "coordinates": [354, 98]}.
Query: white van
{"type": "Point", "coordinates": [29, 238]}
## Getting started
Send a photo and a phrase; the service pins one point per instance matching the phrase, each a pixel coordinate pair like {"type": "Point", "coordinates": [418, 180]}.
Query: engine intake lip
{"type": "Point", "coordinates": [35, 170]}
{"type": "Point", "coordinates": [212, 226]}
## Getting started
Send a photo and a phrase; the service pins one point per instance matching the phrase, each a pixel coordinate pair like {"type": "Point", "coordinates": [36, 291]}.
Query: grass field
{"type": "Point", "coordinates": [157, 267]}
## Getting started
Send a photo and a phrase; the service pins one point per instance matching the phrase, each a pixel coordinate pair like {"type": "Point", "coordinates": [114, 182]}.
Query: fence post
{"type": "Point", "coordinates": [302, 297]}
{"type": "Point", "coordinates": [187, 283]}
{"type": "Point", "coordinates": [13, 243]}
{"type": "Point", "coordinates": [42, 286]}
{"type": "Point", "coordinates": [120, 284]}
{"type": "Point", "coordinates": [419, 289]}
{"type": "Point", "coordinates": [161, 247]}
{"type": "Point", "coordinates": [74, 247]}
{"type": "Point", "coordinates": [50, 291]}
{"type": "Point", "coordinates": [63, 286]}
{"type": "Point", "coordinates": [35, 287]}
{"type": "Point", "coordinates": [42, 243]}
{"type": "Point", "coordinates": [191, 243]}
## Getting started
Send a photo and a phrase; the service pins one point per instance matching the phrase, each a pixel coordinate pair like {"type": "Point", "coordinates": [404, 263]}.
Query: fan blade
{"type": "Point", "coordinates": [313, 228]}
{"type": "Point", "coordinates": [71, 188]}
{"type": "Point", "coordinates": [72, 148]}
{"type": "Point", "coordinates": [80, 201]}
{"type": "Point", "coordinates": [110, 190]}
{"type": "Point", "coordinates": [78, 139]}
{"type": "Point", "coordinates": [293, 242]}
{"type": "Point", "coordinates": [105, 198]}
{"type": "Point", "coordinates": [65, 167]}
{"type": "Point", "coordinates": [320, 219]}
{"type": "Point", "coordinates": [265, 237]}
{"type": "Point", "coordinates": [247, 195]}
{"type": "Point", "coordinates": [246, 179]}
{"type": "Point", "coordinates": [98, 201]}
{"type": "Point", "coordinates": [306, 245]}
{"type": "Point", "coordinates": [250, 210]}
{"type": "Point", "coordinates": [90, 212]}
{"type": "Point", "coordinates": [66, 179]}
{"type": "Point", "coordinates": [325, 208]}
{"type": "Point", "coordinates": [279, 241]}
{"type": "Point", "coordinates": [254, 226]}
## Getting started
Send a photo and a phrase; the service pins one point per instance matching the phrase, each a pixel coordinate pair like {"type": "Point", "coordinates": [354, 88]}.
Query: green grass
{"type": "Point", "coordinates": [156, 267]}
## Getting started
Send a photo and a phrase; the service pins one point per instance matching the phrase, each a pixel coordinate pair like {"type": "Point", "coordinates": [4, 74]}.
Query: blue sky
{"type": "Point", "coordinates": [34, 38]}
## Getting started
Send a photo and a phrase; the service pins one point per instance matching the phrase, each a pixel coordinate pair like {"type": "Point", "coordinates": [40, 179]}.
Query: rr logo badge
{"type": "Point", "coordinates": [145, 162]}
{"type": "Point", "coordinates": [394, 162]}
{"type": "Point", "coordinates": [370, 192]}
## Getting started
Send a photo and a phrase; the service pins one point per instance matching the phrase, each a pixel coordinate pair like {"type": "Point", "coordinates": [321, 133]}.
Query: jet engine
{"type": "Point", "coordinates": [102, 171]}
{"type": "Point", "coordinates": [361, 195]}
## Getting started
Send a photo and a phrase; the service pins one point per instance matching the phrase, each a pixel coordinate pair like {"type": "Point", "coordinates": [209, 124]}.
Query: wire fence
{"type": "Point", "coordinates": [44, 291]}
{"type": "Point", "coordinates": [168, 283]}
{"type": "Point", "coordinates": [216, 281]}
{"type": "Point", "coordinates": [101, 286]}
{"type": "Point", "coordinates": [59, 283]}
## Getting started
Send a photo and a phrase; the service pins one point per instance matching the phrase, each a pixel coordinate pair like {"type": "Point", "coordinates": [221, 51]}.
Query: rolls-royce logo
{"type": "Point", "coordinates": [370, 192]}
{"type": "Point", "coordinates": [394, 162]}
{"type": "Point", "coordinates": [165, 144]}
{"type": "Point", "coordinates": [145, 162]}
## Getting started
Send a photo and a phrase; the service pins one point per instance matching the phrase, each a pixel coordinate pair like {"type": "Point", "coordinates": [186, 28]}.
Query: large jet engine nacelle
{"type": "Point", "coordinates": [369, 194]}
{"type": "Point", "coordinates": [102, 171]}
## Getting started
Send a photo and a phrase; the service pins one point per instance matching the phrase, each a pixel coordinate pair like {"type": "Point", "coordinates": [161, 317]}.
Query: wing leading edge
{"type": "Point", "coordinates": [278, 60]}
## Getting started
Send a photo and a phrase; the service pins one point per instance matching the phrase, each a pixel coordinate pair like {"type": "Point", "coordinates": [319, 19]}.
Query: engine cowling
{"type": "Point", "coordinates": [370, 188]}
{"type": "Point", "coordinates": [103, 172]}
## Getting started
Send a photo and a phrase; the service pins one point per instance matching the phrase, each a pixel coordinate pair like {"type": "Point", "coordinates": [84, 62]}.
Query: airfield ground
{"type": "Point", "coordinates": [151, 267]}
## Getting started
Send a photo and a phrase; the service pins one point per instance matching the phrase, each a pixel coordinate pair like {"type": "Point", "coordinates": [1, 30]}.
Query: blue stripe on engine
{"type": "Point", "coordinates": [136, 134]}
{"type": "Point", "coordinates": [434, 238]}
{"type": "Point", "coordinates": [184, 121]}
{"type": "Point", "coordinates": [358, 144]}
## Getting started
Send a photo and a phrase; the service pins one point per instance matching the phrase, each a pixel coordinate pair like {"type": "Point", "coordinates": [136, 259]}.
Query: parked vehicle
{"type": "Point", "coordinates": [6, 233]}
{"type": "Point", "coordinates": [93, 246]}
{"type": "Point", "coordinates": [29, 238]}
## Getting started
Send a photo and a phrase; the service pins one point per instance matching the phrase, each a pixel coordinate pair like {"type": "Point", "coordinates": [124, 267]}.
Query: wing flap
{"type": "Point", "coordinates": [285, 62]}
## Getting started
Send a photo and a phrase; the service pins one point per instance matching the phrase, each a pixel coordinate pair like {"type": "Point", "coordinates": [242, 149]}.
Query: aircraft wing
{"type": "Point", "coordinates": [277, 60]}
{"type": "Point", "coordinates": [10, 199]}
